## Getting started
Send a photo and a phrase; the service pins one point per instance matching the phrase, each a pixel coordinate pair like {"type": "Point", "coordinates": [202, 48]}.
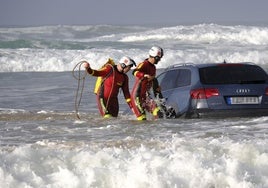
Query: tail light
{"type": "Point", "coordinates": [205, 93]}
{"type": "Point", "coordinates": [266, 91]}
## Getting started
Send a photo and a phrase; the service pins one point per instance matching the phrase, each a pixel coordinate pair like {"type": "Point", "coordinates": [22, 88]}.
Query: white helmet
{"type": "Point", "coordinates": [127, 61]}
{"type": "Point", "coordinates": [156, 51]}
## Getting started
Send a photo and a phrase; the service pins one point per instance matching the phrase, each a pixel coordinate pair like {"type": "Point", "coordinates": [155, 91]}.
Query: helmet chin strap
{"type": "Point", "coordinates": [123, 66]}
{"type": "Point", "coordinates": [156, 59]}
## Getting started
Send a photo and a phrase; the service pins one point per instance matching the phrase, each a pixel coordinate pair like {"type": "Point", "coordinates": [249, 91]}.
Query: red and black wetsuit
{"type": "Point", "coordinates": [113, 80]}
{"type": "Point", "coordinates": [139, 94]}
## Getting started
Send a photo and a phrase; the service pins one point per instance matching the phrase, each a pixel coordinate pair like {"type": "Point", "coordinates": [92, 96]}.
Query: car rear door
{"type": "Point", "coordinates": [175, 85]}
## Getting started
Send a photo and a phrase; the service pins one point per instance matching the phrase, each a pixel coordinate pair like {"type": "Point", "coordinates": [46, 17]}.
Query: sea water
{"type": "Point", "coordinates": [44, 144]}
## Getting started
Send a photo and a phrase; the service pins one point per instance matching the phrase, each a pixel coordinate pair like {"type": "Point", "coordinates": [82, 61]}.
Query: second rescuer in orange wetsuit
{"type": "Point", "coordinates": [114, 77]}
{"type": "Point", "coordinates": [145, 74]}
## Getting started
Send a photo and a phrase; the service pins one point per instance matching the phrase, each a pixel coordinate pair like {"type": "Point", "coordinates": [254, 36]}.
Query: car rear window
{"type": "Point", "coordinates": [233, 74]}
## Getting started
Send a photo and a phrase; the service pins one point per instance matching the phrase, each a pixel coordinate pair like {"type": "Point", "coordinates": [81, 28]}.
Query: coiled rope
{"type": "Point", "coordinates": [81, 83]}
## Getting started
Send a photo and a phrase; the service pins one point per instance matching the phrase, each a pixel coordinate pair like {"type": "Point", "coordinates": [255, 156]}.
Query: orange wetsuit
{"type": "Point", "coordinates": [107, 95]}
{"type": "Point", "coordinates": [139, 94]}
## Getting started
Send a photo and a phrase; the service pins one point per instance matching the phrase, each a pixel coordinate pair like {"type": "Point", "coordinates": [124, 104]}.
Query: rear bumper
{"type": "Point", "coordinates": [208, 113]}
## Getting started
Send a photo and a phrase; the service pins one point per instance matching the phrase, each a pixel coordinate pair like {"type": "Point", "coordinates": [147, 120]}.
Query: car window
{"type": "Point", "coordinates": [167, 79]}
{"type": "Point", "coordinates": [232, 74]}
{"type": "Point", "coordinates": [174, 78]}
{"type": "Point", "coordinates": [184, 78]}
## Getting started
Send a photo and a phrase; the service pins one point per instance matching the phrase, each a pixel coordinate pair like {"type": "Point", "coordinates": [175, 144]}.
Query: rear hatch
{"type": "Point", "coordinates": [235, 86]}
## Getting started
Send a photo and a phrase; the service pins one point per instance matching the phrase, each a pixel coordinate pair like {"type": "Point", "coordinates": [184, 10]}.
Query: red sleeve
{"type": "Point", "coordinates": [101, 72]}
{"type": "Point", "coordinates": [126, 92]}
{"type": "Point", "coordinates": [125, 88]}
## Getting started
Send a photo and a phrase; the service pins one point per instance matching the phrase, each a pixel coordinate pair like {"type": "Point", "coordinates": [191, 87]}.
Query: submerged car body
{"type": "Point", "coordinates": [216, 89]}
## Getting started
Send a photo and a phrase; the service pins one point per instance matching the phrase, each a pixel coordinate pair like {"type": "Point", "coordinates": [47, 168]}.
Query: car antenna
{"type": "Point", "coordinates": [224, 61]}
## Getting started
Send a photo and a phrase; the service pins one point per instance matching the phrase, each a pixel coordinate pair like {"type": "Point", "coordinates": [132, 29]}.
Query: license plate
{"type": "Point", "coordinates": [243, 100]}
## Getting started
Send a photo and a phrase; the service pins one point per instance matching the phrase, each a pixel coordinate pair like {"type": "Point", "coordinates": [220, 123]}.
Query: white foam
{"type": "Point", "coordinates": [178, 162]}
{"type": "Point", "coordinates": [182, 44]}
{"type": "Point", "coordinates": [11, 110]}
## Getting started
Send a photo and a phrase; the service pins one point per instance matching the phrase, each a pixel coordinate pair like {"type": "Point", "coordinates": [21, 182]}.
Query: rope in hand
{"type": "Point", "coordinates": [81, 81]}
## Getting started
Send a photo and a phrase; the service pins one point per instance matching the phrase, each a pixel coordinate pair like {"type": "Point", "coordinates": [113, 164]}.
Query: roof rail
{"type": "Point", "coordinates": [180, 65]}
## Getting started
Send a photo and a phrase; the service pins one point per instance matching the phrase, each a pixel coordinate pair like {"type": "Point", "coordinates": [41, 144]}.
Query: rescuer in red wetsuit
{"type": "Point", "coordinates": [114, 77]}
{"type": "Point", "coordinates": [145, 74]}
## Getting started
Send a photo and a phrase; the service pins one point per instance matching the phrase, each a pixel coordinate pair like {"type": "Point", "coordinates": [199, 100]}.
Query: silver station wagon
{"type": "Point", "coordinates": [216, 89]}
